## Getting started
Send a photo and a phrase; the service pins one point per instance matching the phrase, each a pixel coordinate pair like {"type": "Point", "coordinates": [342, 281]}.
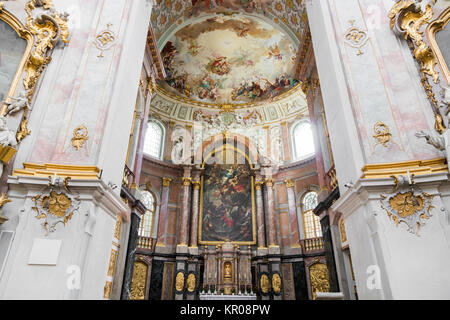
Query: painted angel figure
{"type": "Point", "coordinates": [17, 104]}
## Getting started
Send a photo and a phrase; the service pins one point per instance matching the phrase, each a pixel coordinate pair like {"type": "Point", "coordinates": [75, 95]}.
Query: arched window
{"type": "Point", "coordinates": [145, 228]}
{"type": "Point", "coordinates": [311, 222]}
{"type": "Point", "coordinates": [154, 138]}
{"type": "Point", "coordinates": [303, 141]}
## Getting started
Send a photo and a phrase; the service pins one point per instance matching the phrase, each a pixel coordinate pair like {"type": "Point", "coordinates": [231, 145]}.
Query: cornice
{"type": "Point", "coordinates": [365, 190]}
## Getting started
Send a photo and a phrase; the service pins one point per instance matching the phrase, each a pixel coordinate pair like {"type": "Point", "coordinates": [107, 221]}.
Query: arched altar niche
{"type": "Point", "coordinates": [227, 199]}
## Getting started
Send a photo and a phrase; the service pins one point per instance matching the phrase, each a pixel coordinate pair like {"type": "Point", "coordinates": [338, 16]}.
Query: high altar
{"type": "Point", "coordinates": [227, 269]}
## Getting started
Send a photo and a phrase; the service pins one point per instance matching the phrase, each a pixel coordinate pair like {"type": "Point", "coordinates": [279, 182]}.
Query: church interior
{"type": "Point", "coordinates": [224, 149]}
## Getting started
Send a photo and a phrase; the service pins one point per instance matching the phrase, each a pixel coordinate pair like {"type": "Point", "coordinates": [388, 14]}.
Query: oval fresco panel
{"type": "Point", "coordinates": [234, 59]}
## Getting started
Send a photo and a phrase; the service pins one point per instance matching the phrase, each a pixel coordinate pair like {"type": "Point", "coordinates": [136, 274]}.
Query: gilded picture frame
{"type": "Point", "coordinates": [223, 149]}
{"type": "Point", "coordinates": [25, 34]}
{"type": "Point", "coordinates": [437, 25]}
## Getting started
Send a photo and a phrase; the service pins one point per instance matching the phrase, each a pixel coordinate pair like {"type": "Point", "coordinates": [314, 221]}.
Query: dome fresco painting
{"type": "Point", "coordinates": [234, 59]}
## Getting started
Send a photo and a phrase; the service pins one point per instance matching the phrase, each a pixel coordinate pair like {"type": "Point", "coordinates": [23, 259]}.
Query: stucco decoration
{"type": "Point", "coordinates": [408, 204]}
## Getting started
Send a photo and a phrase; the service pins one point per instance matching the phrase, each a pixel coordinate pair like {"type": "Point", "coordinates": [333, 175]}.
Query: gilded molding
{"type": "Point", "coordinates": [112, 263]}
{"type": "Point", "coordinates": [342, 231]}
{"type": "Point", "coordinates": [416, 167]}
{"type": "Point", "coordinates": [42, 34]}
{"type": "Point", "coordinates": [61, 170]}
{"type": "Point", "coordinates": [438, 25]}
{"type": "Point", "coordinates": [107, 290]}
{"type": "Point", "coordinates": [407, 18]}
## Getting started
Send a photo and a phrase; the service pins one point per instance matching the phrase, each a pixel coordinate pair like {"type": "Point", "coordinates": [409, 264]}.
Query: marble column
{"type": "Point", "coordinates": [195, 208]}
{"type": "Point", "coordinates": [272, 223]}
{"type": "Point", "coordinates": [163, 212]}
{"type": "Point", "coordinates": [142, 133]}
{"type": "Point", "coordinates": [131, 254]}
{"type": "Point", "coordinates": [260, 215]}
{"type": "Point", "coordinates": [183, 237]}
{"type": "Point", "coordinates": [293, 219]}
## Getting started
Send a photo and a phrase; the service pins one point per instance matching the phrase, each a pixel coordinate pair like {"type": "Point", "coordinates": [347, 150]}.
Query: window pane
{"type": "Point", "coordinates": [303, 140]}
{"type": "Point", "coordinates": [153, 140]}
{"type": "Point", "coordinates": [310, 201]}
{"type": "Point", "coordinates": [145, 228]}
{"type": "Point", "coordinates": [147, 200]}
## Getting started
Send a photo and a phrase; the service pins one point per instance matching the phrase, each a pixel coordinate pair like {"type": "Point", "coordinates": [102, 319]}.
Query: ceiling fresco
{"type": "Point", "coordinates": [229, 59]}
{"type": "Point", "coordinates": [290, 14]}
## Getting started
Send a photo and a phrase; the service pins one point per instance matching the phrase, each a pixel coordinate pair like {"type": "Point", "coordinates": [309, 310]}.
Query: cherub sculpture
{"type": "Point", "coordinates": [17, 104]}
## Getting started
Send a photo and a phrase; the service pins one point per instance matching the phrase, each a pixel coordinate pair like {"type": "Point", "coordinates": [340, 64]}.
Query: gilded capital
{"type": "Point", "coordinates": [186, 181]}
{"type": "Point", "coordinates": [166, 181]}
{"type": "Point", "coordinates": [289, 183]}
{"type": "Point", "coordinates": [269, 182]}
{"type": "Point", "coordinates": [258, 185]}
{"type": "Point", "coordinates": [196, 185]}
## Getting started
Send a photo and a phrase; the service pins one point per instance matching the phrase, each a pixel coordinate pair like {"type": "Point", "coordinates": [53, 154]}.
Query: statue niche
{"type": "Point", "coordinates": [227, 271]}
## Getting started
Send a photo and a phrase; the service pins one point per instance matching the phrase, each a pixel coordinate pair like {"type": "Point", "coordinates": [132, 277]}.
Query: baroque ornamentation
{"type": "Point", "coordinates": [356, 37]}
{"type": "Point", "coordinates": [179, 281]}
{"type": "Point", "coordinates": [190, 283]}
{"type": "Point", "coordinates": [342, 231]}
{"type": "Point", "coordinates": [318, 274]}
{"type": "Point", "coordinates": [80, 136]}
{"type": "Point", "coordinates": [3, 199]}
{"type": "Point", "coordinates": [382, 133]}
{"type": "Point", "coordinates": [45, 31]}
{"type": "Point", "coordinates": [105, 40]}
{"type": "Point", "coordinates": [276, 283]}
{"type": "Point", "coordinates": [289, 183]}
{"type": "Point", "coordinates": [139, 281]}
{"type": "Point", "coordinates": [166, 181]}
{"type": "Point", "coordinates": [409, 205]}
{"type": "Point", "coordinates": [408, 18]}
{"type": "Point", "coordinates": [107, 290]}
{"type": "Point", "coordinates": [112, 263]}
{"type": "Point", "coordinates": [265, 284]}
{"type": "Point", "coordinates": [55, 204]}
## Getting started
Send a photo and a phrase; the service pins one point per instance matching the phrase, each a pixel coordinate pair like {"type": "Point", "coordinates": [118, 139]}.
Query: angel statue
{"type": "Point", "coordinates": [17, 104]}
{"type": "Point", "coordinates": [178, 150]}
{"type": "Point", "coordinates": [442, 141]}
{"type": "Point", "coordinates": [7, 138]}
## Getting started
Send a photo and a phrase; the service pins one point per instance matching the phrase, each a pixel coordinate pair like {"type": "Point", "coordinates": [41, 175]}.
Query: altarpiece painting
{"type": "Point", "coordinates": [227, 210]}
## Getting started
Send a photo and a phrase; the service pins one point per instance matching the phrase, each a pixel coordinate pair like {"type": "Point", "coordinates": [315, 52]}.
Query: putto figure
{"type": "Point", "coordinates": [18, 104]}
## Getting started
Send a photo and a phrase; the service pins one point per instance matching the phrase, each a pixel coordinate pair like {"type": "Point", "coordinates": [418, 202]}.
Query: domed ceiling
{"type": "Point", "coordinates": [229, 59]}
